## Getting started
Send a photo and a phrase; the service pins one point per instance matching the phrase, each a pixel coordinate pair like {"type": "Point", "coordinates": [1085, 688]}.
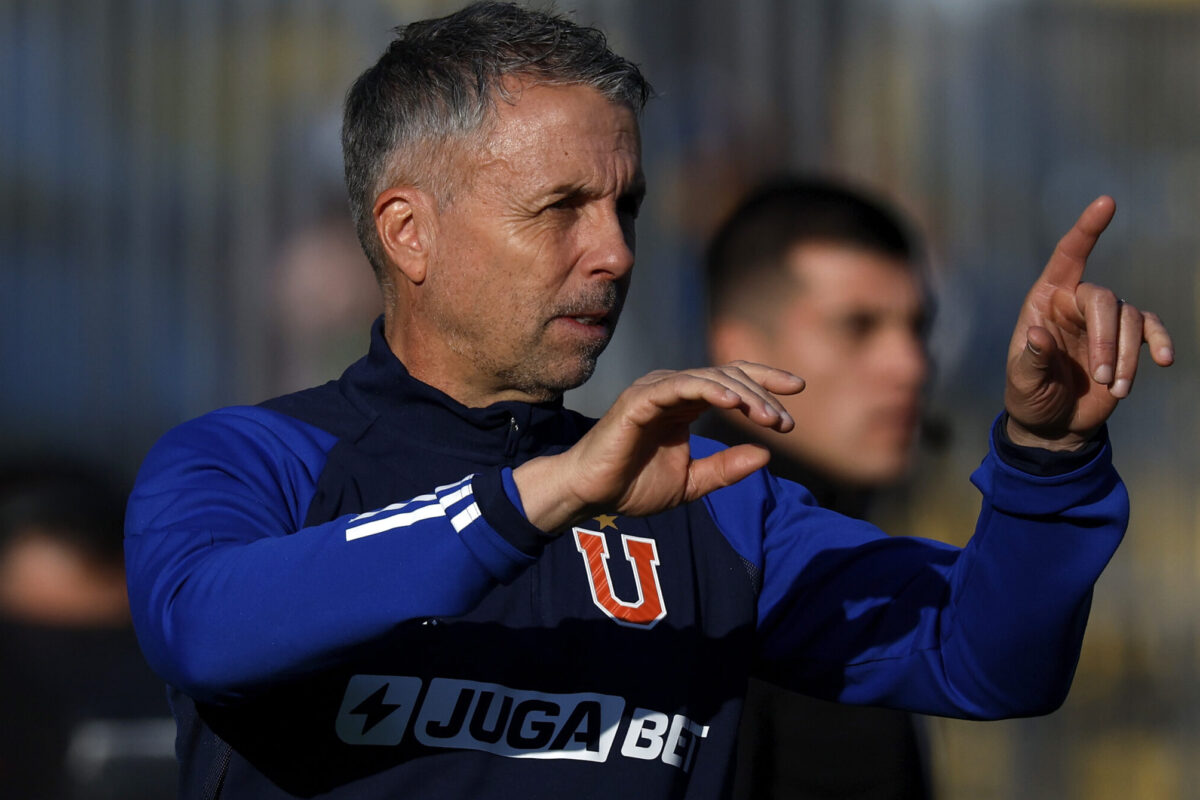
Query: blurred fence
{"type": "Point", "coordinates": [160, 160]}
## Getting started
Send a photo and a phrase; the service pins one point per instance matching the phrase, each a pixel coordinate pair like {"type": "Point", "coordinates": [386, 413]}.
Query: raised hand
{"type": "Point", "coordinates": [637, 461]}
{"type": "Point", "coordinates": [1074, 352]}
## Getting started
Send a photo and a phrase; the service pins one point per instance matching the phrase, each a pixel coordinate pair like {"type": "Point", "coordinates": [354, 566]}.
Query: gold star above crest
{"type": "Point", "coordinates": [607, 521]}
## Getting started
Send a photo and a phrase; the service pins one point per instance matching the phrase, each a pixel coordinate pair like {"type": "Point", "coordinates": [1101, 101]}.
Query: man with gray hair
{"type": "Point", "coordinates": [409, 581]}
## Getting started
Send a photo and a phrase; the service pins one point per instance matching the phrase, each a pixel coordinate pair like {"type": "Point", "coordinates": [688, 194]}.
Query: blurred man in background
{"type": "Point", "coordinates": [84, 718]}
{"type": "Point", "coordinates": [827, 283]}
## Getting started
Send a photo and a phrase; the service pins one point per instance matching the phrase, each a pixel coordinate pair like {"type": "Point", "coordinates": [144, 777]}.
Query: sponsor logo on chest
{"type": "Point", "coordinates": [469, 715]}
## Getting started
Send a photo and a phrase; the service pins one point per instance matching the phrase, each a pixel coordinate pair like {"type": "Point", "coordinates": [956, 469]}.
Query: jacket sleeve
{"type": "Point", "coordinates": [230, 592]}
{"type": "Point", "coordinates": [991, 630]}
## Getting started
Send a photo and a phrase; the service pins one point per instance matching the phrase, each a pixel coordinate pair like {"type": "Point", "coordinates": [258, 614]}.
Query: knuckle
{"type": "Point", "coordinates": [1099, 294]}
{"type": "Point", "coordinates": [736, 371]}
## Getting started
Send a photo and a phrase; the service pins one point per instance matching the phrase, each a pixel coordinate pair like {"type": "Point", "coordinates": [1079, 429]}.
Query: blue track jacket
{"type": "Point", "coordinates": [346, 602]}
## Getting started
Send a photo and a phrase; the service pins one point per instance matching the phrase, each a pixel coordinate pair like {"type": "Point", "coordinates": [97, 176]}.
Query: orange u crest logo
{"type": "Point", "coordinates": [642, 554]}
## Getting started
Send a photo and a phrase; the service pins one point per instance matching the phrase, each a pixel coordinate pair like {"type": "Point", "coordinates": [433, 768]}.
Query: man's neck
{"type": "Point", "coordinates": [444, 374]}
{"type": "Point", "coordinates": [853, 501]}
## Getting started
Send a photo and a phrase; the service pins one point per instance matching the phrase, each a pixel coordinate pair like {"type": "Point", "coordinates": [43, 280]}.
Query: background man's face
{"type": "Point", "coordinates": [532, 257]}
{"type": "Point", "coordinates": [854, 330]}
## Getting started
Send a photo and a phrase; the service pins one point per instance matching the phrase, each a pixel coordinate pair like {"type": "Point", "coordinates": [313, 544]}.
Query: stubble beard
{"type": "Point", "coordinates": [539, 376]}
{"type": "Point", "coordinates": [536, 370]}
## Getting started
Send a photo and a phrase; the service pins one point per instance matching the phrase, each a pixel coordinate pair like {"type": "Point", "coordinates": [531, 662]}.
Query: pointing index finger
{"type": "Point", "coordinates": [1065, 267]}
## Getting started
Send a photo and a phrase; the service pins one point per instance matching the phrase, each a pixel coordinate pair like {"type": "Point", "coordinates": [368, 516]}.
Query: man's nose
{"type": "Point", "coordinates": [907, 358]}
{"type": "Point", "coordinates": [609, 242]}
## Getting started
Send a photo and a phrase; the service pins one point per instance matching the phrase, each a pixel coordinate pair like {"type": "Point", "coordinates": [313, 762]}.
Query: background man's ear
{"type": "Point", "coordinates": [730, 338]}
{"type": "Point", "coordinates": [404, 222]}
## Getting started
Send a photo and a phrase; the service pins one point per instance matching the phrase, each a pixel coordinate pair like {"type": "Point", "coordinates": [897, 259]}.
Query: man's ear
{"type": "Point", "coordinates": [730, 339]}
{"type": "Point", "coordinates": [404, 222]}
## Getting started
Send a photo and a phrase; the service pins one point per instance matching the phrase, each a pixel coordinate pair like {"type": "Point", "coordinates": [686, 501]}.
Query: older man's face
{"type": "Point", "coordinates": [532, 258]}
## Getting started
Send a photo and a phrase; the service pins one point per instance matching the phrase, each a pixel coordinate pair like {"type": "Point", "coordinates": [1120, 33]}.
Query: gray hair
{"type": "Point", "coordinates": [435, 86]}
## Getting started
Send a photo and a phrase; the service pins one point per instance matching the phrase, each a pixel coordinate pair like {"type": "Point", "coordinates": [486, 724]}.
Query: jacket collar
{"type": "Point", "coordinates": [410, 410]}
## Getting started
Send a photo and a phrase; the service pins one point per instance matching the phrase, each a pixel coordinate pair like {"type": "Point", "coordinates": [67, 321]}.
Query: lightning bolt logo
{"type": "Point", "coordinates": [375, 708]}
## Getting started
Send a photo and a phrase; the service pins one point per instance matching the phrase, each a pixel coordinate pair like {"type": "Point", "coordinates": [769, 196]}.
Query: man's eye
{"type": "Point", "coordinates": [859, 326]}
{"type": "Point", "coordinates": [568, 203]}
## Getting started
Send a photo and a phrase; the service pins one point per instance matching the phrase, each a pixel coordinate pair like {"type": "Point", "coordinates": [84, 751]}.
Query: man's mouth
{"type": "Point", "coordinates": [903, 418]}
{"type": "Point", "coordinates": [590, 319]}
{"type": "Point", "coordinates": [595, 310]}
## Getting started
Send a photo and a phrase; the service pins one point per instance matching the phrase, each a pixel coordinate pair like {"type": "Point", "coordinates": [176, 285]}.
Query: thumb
{"type": "Point", "coordinates": [1036, 356]}
{"type": "Point", "coordinates": [724, 468]}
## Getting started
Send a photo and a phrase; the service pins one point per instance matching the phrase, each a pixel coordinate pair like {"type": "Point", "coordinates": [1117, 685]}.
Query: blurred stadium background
{"type": "Point", "coordinates": [173, 238]}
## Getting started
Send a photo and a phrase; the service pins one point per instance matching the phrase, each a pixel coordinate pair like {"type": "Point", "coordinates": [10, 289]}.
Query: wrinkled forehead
{"type": "Point", "coordinates": [548, 129]}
